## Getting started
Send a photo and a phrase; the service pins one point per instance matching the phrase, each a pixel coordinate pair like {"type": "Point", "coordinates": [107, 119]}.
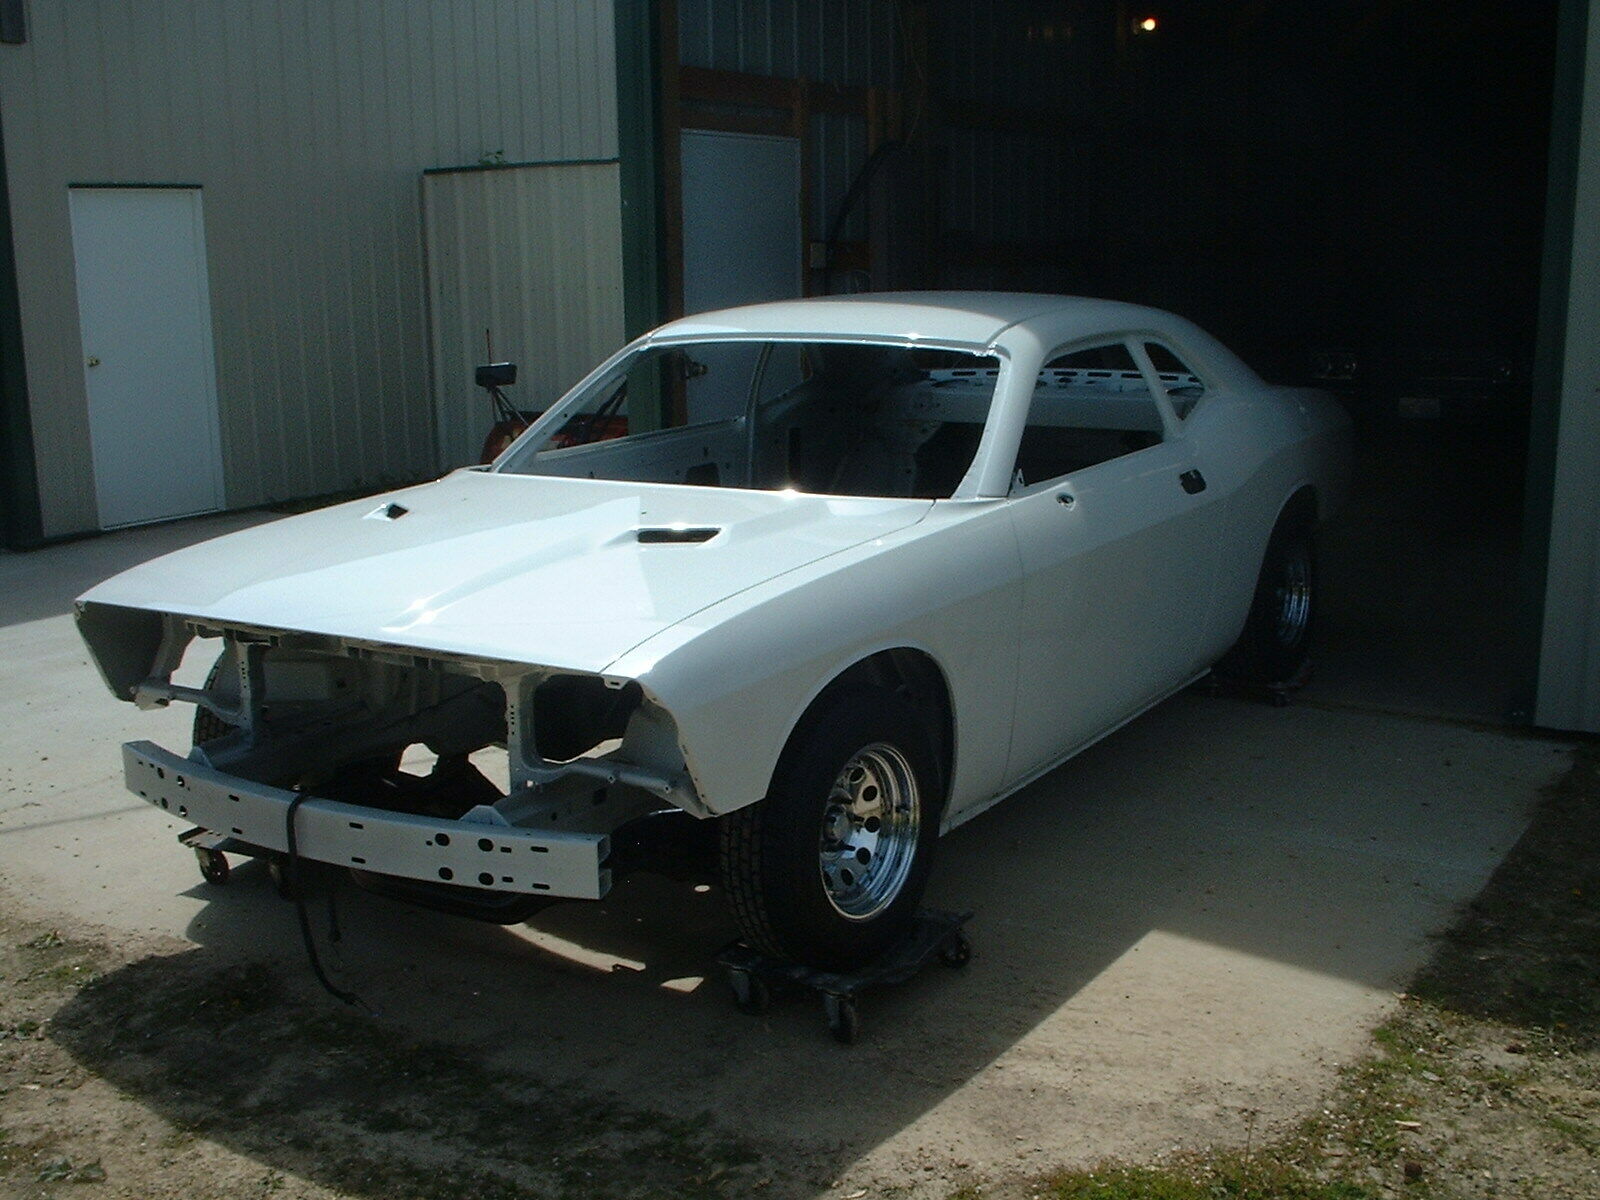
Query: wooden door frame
{"type": "Point", "coordinates": [697, 98]}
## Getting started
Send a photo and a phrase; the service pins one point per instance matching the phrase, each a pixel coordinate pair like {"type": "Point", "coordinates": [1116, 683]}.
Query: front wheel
{"type": "Point", "coordinates": [829, 868]}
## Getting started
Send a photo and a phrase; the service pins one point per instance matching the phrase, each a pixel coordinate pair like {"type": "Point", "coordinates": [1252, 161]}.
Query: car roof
{"type": "Point", "coordinates": [974, 318]}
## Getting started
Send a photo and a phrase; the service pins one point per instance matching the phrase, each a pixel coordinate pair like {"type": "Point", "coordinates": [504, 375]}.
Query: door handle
{"type": "Point", "coordinates": [94, 360]}
{"type": "Point", "coordinates": [1193, 482]}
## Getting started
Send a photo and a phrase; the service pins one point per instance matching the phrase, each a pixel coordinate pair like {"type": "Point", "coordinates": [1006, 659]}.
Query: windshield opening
{"type": "Point", "coordinates": [830, 418]}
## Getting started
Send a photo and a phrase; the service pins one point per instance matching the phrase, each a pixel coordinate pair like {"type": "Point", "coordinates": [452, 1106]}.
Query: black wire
{"type": "Point", "coordinates": [298, 894]}
{"type": "Point", "coordinates": [603, 413]}
{"type": "Point", "coordinates": [852, 196]}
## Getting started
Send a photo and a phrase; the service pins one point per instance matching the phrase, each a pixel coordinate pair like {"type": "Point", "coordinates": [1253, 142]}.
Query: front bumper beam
{"type": "Point", "coordinates": [540, 862]}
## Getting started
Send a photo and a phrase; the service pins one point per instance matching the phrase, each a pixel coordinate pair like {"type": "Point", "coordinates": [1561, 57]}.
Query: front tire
{"type": "Point", "coordinates": [829, 868]}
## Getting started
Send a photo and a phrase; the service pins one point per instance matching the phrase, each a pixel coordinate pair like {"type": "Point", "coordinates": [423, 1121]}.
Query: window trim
{"type": "Point", "coordinates": [1207, 385]}
{"type": "Point", "coordinates": [1171, 424]}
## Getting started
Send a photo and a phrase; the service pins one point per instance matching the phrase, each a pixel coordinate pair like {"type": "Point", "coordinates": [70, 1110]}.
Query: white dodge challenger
{"type": "Point", "coordinates": [805, 584]}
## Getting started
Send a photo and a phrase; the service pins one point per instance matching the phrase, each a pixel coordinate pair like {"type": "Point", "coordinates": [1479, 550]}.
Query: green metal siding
{"type": "Point", "coordinates": [1567, 447]}
{"type": "Point", "coordinates": [307, 125]}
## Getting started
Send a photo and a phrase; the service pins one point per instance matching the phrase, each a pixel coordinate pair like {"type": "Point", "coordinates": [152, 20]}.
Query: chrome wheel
{"type": "Point", "coordinates": [870, 830]}
{"type": "Point", "coordinates": [1293, 598]}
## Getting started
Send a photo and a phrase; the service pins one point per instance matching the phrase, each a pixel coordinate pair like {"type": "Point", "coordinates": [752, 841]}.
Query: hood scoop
{"type": "Point", "coordinates": [387, 512]}
{"type": "Point", "coordinates": [677, 535]}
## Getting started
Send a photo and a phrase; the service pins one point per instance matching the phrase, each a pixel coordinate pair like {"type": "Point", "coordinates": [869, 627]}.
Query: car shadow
{"type": "Point", "coordinates": [1184, 919]}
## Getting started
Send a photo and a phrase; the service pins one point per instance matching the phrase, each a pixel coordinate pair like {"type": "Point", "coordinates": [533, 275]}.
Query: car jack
{"type": "Point", "coordinates": [756, 977]}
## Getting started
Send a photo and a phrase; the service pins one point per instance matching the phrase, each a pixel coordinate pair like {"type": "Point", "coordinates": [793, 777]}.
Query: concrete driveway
{"type": "Point", "coordinates": [1188, 925]}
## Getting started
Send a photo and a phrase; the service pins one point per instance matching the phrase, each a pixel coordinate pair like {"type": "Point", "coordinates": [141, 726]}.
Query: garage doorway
{"type": "Point", "coordinates": [144, 309]}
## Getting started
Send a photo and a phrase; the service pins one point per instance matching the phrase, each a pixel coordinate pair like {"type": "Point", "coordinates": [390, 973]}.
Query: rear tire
{"type": "Point", "coordinates": [1276, 643]}
{"type": "Point", "coordinates": [829, 868]}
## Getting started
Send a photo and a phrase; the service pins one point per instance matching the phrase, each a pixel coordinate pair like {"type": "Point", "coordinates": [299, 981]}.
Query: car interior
{"type": "Point", "coordinates": [845, 419]}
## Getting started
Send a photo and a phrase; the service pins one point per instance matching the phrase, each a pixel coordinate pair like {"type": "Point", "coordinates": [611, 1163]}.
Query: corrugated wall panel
{"type": "Point", "coordinates": [530, 254]}
{"type": "Point", "coordinates": [838, 152]}
{"type": "Point", "coordinates": [1001, 184]}
{"type": "Point", "coordinates": [850, 43]}
{"type": "Point", "coordinates": [307, 125]}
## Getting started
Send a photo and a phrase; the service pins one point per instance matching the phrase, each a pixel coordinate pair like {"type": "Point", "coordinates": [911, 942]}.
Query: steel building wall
{"type": "Point", "coordinates": [839, 151]}
{"type": "Point", "coordinates": [530, 254]}
{"type": "Point", "coordinates": [307, 125]}
{"type": "Point", "coordinates": [847, 43]}
{"type": "Point", "coordinates": [1569, 667]}
{"type": "Point", "coordinates": [1008, 187]}
{"type": "Point", "coordinates": [1001, 184]}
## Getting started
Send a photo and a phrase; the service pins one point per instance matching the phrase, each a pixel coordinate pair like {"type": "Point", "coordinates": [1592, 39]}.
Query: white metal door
{"type": "Point", "coordinates": [741, 235]}
{"type": "Point", "coordinates": [144, 308]}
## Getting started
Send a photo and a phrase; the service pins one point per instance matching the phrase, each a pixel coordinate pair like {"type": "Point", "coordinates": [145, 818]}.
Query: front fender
{"type": "Point", "coordinates": [738, 676]}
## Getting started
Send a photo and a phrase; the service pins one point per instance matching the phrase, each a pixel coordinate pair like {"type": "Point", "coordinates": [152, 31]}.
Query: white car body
{"type": "Point", "coordinates": [1047, 612]}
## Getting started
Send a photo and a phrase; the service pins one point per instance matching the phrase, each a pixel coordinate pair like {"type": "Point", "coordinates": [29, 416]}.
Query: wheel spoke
{"type": "Point", "coordinates": [869, 832]}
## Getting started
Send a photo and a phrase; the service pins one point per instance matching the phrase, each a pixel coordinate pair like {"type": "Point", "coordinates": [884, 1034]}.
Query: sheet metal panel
{"type": "Point", "coordinates": [844, 42]}
{"type": "Point", "coordinates": [1569, 666]}
{"type": "Point", "coordinates": [532, 254]}
{"type": "Point", "coordinates": [307, 126]}
{"type": "Point", "coordinates": [838, 153]}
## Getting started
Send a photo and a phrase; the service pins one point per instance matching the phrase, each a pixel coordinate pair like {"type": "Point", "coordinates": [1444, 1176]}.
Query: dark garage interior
{"type": "Point", "coordinates": [1349, 194]}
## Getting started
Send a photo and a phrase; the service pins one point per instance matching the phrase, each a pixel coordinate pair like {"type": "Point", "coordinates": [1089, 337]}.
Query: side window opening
{"type": "Point", "coordinates": [1089, 406]}
{"type": "Point", "coordinates": [1184, 388]}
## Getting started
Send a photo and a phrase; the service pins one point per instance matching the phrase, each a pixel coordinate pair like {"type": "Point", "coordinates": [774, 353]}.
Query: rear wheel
{"type": "Point", "coordinates": [829, 868]}
{"type": "Point", "coordinates": [1276, 643]}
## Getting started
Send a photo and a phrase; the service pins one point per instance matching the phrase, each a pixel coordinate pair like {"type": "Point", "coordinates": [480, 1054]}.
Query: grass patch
{"type": "Point", "coordinates": [1233, 1176]}
{"type": "Point", "coordinates": [1527, 950]}
{"type": "Point", "coordinates": [1583, 1135]}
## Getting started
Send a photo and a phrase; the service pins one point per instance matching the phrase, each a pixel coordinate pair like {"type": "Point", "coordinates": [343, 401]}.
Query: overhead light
{"type": "Point", "coordinates": [1146, 25]}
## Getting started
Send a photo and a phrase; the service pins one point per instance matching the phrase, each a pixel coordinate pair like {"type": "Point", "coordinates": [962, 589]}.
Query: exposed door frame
{"type": "Point", "coordinates": [21, 523]}
{"type": "Point", "coordinates": [695, 98]}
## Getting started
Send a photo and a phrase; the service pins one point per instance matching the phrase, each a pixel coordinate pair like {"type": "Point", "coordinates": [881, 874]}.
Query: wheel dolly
{"type": "Point", "coordinates": [212, 850]}
{"type": "Point", "coordinates": [755, 977]}
{"type": "Point", "coordinates": [1278, 694]}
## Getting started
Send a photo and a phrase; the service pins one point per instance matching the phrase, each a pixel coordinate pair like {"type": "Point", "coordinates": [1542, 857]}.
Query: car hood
{"type": "Point", "coordinates": [513, 567]}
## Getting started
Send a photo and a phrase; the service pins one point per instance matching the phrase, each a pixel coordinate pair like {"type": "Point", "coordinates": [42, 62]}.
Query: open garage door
{"type": "Point", "coordinates": [1351, 195]}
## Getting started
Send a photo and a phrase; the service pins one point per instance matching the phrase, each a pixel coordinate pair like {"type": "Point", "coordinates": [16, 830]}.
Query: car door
{"type": "Point", "coordinates": [1116, 528]}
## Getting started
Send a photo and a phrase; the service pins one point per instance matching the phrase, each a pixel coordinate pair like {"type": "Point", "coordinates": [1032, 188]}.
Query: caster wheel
{"type": "Point", "coordinates": [278, 868]}
{"type": "Point", "coordinates": [213, 866]}
{"type": "Point", "coordinates": [957, 952]}
{"type": "Point", "coordinates": [750, 992]}
{"type": "Point", "coordinates": [844, 1019]}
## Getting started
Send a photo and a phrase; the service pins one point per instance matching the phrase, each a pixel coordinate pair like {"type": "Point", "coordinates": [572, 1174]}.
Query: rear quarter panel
{"type": "Point", "coordinates": [1263, 446]}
